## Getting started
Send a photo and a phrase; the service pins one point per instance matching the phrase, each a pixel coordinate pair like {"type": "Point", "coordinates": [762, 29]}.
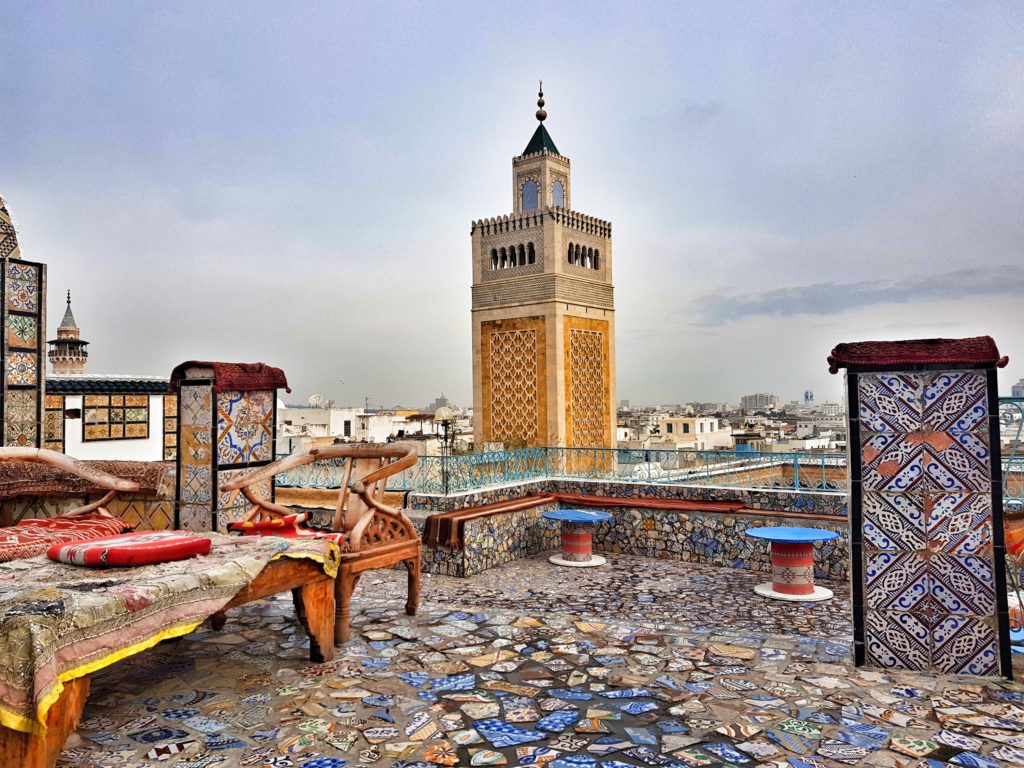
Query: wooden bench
{"type": "Point", "coordinates": [374, 534]}
{"type": "Point", "coordinates": [25, 750]}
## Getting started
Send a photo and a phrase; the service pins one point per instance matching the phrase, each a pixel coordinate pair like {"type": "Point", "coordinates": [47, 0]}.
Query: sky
{"type": "Point", "coordinates": [294, 183]}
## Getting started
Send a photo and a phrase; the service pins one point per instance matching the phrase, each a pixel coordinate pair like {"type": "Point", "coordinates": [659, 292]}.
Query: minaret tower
{"type": "Point", "coordinates": [543, 312]}
{"type": "Point", "coordinates": [68, 353]}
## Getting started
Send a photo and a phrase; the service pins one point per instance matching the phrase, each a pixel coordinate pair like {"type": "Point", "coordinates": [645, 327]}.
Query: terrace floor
{"type": "Point", "coordinates": [641, 662]}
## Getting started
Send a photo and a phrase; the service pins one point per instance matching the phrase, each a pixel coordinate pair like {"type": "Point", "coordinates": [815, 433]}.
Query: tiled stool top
{"type": "Point", "coordinates": [577, 515]}
{"type": "Point", "coordinates": [791, 534]}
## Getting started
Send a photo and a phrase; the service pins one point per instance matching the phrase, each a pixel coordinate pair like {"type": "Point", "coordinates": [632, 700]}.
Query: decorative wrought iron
{"type": "Point", "coordinates": [478, 471]}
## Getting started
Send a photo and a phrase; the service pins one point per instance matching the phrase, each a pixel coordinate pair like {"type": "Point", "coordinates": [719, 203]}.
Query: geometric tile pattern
{"type": "Point", "coordinates": [170, 427]}
{"type": "Point", "coordinates": [245, 426]}
{"type": "Point", "coordinates": [116, 417]}
{"type": "Point", "coordinates": [22, 287]}
{"type": "Point", "coordinates": [22, 368]}
{"type": "Point", "coordinates": [20, 425]}
{"type": "Point", "coordinates": [195, 458]}
{"type": "Point", "coordinates": [926, 541]}
{"type": "Point", "coordinates": [22, 332]}
{"type": "Point", "coordinates": [145, 514]}
{"type": "Point", "coordinates": [8, 234]}
{"type": "Point", "coordinates": [232, 505]}
{"type": "Point", "coordinates": [514, 390]}
{"type": "Point", "coordinates": [586, 362]}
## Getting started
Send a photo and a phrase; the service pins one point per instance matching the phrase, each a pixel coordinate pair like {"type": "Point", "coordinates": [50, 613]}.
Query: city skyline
{"type": "Point", "coordinates": [295, 186]}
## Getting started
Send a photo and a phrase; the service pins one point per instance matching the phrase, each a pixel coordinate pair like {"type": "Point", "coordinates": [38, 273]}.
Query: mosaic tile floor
{"type": "Point", "coordinates": [640, 663]}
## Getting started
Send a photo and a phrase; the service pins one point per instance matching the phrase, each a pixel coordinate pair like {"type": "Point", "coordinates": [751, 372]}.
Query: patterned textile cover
{"type": "Point", "coordinates": [288, 526]}
{"type": "Point", "coordinates": [241, 376]}
{"type": "Point", "coordinates": [979, 350]}
{"type": "Point", "coordinates": [131, 549]}
{"type": "Point", "coordinates": [59, 622]}
{"type": "Point", "coordinates": [33, 537]}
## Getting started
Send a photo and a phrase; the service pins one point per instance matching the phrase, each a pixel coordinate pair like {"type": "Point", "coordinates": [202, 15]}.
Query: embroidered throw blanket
{"type": "Point", "coordinates": [33, 537]}
{"type": "Point", "coordinates": [59, 622]}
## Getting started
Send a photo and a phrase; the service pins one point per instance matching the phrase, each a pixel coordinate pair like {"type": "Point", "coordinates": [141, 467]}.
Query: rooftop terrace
{"type": "Point", "coordinates": [640, 663]}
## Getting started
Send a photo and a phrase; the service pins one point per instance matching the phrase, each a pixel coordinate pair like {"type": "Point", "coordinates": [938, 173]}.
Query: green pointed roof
{"type": "Point", "coordinates": [541, 140]}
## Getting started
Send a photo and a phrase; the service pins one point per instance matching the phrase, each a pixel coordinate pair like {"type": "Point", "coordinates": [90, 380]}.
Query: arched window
{"type": "Point", "coordinates": [597, 258]}
{"type": "Point", "coordinates": [578, 256]}
{"type": "Point", "coordinates": [570, 253]}
{"type": "Point", "coordinates": [522, 255]}
{"type": "Point", "coordinates": [529, 199]}
{"type": "Point", "coordinates": [494, 258]}
{"type": "Point", "coordinates": [504, 259]}
{"type": "Point", "coordinates": [588, 260]}
{"type": "Point", "coordinates": [558, 195]}
{"type": "Point", "coordinates": [531, 255]}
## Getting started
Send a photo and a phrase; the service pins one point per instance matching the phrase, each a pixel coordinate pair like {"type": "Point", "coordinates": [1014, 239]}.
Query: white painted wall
{"type": "Point", "coordinates": [150, 449]}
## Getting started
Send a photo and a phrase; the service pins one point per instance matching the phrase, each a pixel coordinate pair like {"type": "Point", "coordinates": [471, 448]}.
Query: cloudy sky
{"type": "Point", "coordinates": [295, 183]}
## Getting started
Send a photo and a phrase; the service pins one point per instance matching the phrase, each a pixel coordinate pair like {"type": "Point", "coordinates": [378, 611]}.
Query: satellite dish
{"type": "Point", "coordinates": [329, 404]}
{"type": "Point", "coordinates": [315, 400]}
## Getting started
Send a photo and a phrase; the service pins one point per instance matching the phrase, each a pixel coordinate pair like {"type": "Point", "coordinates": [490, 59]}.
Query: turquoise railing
{"type": "Point", "coordinates": [477, 471]}
{"type": "Point", "coordinates": [1011, 422]}
{"type": "Point", "coordinates": [740, 469]}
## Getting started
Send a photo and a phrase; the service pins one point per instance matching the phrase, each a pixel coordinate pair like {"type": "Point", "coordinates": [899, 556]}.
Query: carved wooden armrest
{"type": "Point", "coordinates": [113, 485]}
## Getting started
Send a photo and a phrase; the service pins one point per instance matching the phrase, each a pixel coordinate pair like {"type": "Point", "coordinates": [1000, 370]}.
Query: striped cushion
{"type": "Point", "coordinates": [286, 526]}
{"type": "Point", "coordinates": [130, 549]}
{"type": "Point", "coordinates": [33, 537]}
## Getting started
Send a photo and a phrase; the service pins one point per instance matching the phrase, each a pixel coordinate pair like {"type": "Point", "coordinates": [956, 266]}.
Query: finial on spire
{"type": "Point", "coordinates": [541, 114]}
{"type": "Point", "coordinates": [69, 297]}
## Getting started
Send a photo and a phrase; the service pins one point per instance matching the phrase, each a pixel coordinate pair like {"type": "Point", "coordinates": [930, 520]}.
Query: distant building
{"type": "Point", "coordinates": [543, 313]}
{"type": "Point", "coordinates": [1017, 390]}
{"type": "Point", "coordinates": [832, 410]}
{"type": "Point", "coordinates": [761, 401]}
{"type": "Point", "coordinates": [68, 353]}
{"type": "Point", "coordinates": [695, 432]}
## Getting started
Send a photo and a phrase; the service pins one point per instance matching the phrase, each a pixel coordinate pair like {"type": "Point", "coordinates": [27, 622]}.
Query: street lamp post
{"type": "Point", "coordinates": [445, 418]}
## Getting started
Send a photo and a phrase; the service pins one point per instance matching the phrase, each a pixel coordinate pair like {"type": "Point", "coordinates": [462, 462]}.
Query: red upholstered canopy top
{"type": "Point", "coordinates": [243, 376]}
{"type": "Point", "coordinates": [979, 350]}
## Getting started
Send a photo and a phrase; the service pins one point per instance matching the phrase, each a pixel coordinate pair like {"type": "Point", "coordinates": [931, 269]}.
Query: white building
{"type": "Point", "coordinates": [93, 416]}
{"type": "Point", "coordinates": [701, 433]}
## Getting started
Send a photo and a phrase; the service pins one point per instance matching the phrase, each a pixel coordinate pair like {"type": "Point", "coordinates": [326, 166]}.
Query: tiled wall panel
{"type": "Point", "coordinates": [23, 374]}
{"type": "Point", "coordinates": [927, 567]}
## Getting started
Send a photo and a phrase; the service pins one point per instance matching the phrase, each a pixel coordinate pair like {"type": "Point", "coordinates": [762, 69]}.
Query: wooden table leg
{"type": "Point", "coordinates": [318, 605]}
{"type": "Point", "coordinates": [27, 751]}
{"type": "Point", "coordinates": [412, 600]}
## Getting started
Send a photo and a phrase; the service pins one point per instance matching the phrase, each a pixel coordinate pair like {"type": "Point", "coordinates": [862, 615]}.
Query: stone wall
{"type": "Point", "coordinates": [700, 537]}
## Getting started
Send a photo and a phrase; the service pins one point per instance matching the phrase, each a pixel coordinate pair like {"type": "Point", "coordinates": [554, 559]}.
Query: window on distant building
{"type": "Point", "coordinates": [531, 254]}
{"type": "Point", "coordinates": [558, 195]}
{"type": "Point", "coordinates": [530, 195]}
{"type": "Point", "coordinates": [116, 417]}
{"type": "Point", "coordinates": [348, 428]}
{"type": "Point", "coordinates": [686, 429]}
{"type": "Point", "coordinates": [668, 427]}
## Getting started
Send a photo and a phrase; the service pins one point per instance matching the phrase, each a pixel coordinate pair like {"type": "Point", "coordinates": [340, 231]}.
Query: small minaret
{"type": "Point", "coordinates": [68, 352]}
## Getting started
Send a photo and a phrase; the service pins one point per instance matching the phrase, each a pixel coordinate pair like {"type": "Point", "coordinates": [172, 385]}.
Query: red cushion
{"type": "Point", "coordinates": [275, 524]}
{"type": "Point", "coordinates": [129, 549]}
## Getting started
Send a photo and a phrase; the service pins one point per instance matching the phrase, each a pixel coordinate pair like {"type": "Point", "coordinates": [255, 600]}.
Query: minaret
{"type": "Point", "coordinates": [543, 312]}
{"type": "Point", "coordinates": [68, 352]}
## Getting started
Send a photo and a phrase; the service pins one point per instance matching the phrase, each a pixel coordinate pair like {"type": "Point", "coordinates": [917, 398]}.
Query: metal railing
{"type": "Point", "coordinates": [1011, 423]}
{"type": "Point", "coordinates": [478, 471]}
{"type": "Point", "coordinates": [738, 469]}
